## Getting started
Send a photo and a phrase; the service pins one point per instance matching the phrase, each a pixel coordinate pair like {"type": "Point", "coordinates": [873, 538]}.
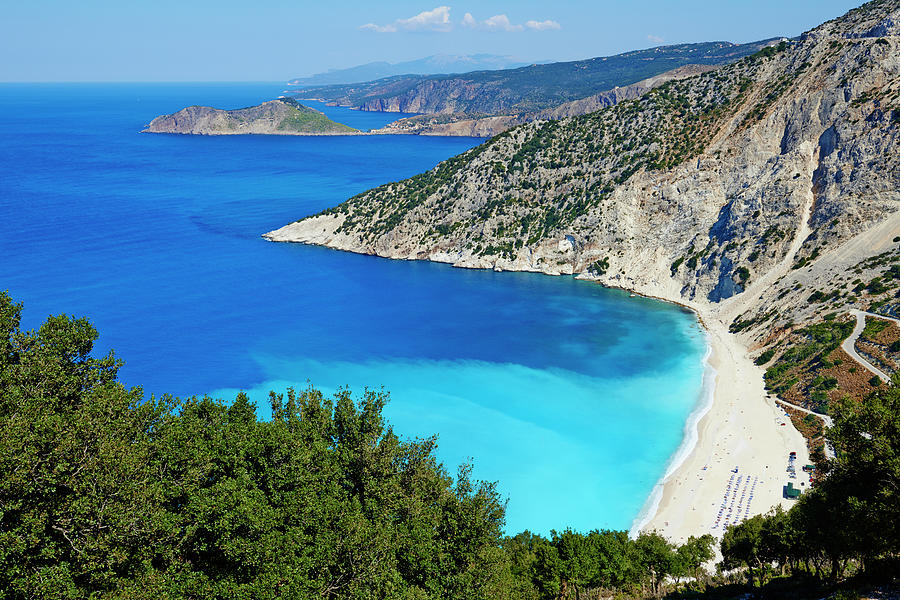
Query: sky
{"type": "Point", "coordinates": [276, 40]}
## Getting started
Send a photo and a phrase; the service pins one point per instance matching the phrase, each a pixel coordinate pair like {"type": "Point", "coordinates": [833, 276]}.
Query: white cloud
{"type": "Point", "coordinates": [500, 23]}
{"type": "Point", "coordinates": [655, 39]}
{"type": "Point", "coordinates": [543, 25]}
{"type": "Point", "coordinates": [437, 19]}
{"type": "Point", "coordinates": [378, 28]}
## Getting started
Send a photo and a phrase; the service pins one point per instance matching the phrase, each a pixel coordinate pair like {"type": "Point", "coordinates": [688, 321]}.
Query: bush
{"type": "Point", "coordinates": [816, 296]}
{"type": "Point", "coordinates": [765, 357]}
{"type": "Point", "coordinates": [599, 267]}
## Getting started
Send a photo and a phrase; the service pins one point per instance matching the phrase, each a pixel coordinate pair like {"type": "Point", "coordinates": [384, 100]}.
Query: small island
{"type": "Point", "coordinates": [283, 116]}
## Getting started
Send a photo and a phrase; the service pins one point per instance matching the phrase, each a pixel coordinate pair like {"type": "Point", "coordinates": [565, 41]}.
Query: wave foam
{"type": "Point", "coordinates": [685, 449]}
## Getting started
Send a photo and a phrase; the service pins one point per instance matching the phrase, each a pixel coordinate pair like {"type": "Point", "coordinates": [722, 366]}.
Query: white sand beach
{"type": "Point", "coordinates": [738, 467]}
{"type": "Point", "coordinates": [743, 428]}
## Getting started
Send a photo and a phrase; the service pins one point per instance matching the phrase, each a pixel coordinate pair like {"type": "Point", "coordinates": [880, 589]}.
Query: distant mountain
{"type": "Point", "coordinates": [525, 89]}
{"type": "Point", "coordinates": [430, 65]}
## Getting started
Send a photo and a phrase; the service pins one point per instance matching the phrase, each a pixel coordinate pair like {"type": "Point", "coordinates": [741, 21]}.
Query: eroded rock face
{"type": "Point", "coordinates": [527, 89]}
{"type": "Point", "coordinates": [462, 124]}
{"type": "Point", "coordinates": [695, 191]}
{"type": "Point", "coordinates": [283, 116]}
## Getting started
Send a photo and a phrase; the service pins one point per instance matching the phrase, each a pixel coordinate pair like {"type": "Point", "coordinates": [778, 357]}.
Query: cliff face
{"type": "Point", "coordinates": [460, 124]}
{"type": "Point", "coordinates": [528, 89]}
{"type": "Point", "coordinates": [277, 117]}
{"type": "Point", "coordinates": [742, 179]}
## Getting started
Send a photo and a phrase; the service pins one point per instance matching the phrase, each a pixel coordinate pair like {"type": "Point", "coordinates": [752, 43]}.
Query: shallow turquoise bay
{"type": "Point", "coordinates": [573, 397]}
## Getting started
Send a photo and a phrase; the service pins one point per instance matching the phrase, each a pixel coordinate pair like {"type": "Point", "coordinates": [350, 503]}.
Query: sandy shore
{"type": "Point", "coordinates": [741, 429]}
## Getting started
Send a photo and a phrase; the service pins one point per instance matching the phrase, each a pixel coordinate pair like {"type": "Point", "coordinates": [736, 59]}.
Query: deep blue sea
{"type": "Point", "coordinates": [572, 396]}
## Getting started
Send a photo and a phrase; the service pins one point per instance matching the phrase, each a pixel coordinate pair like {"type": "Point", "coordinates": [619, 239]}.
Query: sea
{"type": "Point", "coordinates": [572, 397]}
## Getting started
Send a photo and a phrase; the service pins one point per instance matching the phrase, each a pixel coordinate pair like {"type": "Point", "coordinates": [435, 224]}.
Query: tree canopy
{"type": "Point", "coordinates": [106, 493]}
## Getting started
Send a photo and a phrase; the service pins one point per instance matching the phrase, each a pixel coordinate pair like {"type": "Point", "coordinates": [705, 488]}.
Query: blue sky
{"type": "Point", "coordinates": [274, 40]}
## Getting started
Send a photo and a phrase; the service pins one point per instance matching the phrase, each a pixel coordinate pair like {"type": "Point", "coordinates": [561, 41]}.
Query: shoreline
{"type": "Point", "coordinates": [738, 459]}
{"type": "Point", "coordinates": [739, 427]}
{"type": "Point", "coordinates": [738, 408]}
{"type": "Point", "coordinates": [705, 401]}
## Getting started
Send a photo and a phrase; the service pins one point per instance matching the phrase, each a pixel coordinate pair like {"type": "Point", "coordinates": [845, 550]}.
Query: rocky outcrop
{"type": "Point", "coordinates": [717, 189]}
{"type": "Point", "coordinates": [464, 125]}
{"type": "Point", "coordinates": [283, 116]}
{"type": "Point", "coordinates": [619, 94]}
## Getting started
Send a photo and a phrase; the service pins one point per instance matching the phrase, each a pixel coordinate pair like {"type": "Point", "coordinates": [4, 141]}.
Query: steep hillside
{"type": "Point", "coordinates": [284, 116]}
{"type": "Point", "coordinates": [526, 89]}
{"type": "Point", "coordinates": [461, 124]}
{"type": "Point", "coordinates": [725, 186]}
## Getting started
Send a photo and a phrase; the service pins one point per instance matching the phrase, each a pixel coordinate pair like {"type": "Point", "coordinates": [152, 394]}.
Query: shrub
{"type": "Point", "coordinates": [765, 357]}
{"type": "Point", "coordinates": [816, 296]}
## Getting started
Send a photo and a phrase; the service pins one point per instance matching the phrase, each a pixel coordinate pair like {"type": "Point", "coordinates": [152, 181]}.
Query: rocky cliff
{"type": "Point", "coordinates": [464, 125]}
{"type": "Point", "coordinates": [528, 89]}
{"type": "Point", "coordinates": [725, 188]}
{"type": "Point", "coordinates": [283, 116]}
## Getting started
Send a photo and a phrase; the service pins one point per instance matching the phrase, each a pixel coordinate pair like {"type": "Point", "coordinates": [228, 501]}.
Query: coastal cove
{"type": "Point", "coordinates": [574, 397]}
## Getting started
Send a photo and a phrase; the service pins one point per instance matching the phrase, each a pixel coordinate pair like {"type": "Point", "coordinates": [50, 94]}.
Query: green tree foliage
{"type": "Point", "coordinates": [867, 470]}
{"type": "Point", "coordinates": [572, 565]}
{"type": "Point", "coordinates": [742, 546]}
{"type": "Point", "coordinates": [655, 559]}
{"type": "Point", "coordinates": [693, 555]}
{"type": "Point", "coordinates": [849, 518]}
{"type": "Point", "coordinates": [105, 493]}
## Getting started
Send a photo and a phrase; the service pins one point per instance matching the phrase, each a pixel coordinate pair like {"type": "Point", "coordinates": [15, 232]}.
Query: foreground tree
{"type": "Point", "coordinates": [693, 555]}
{"type": "Point", "coordinates": [105, 493]}
{"type": "Point", "coordinates": [866, 437]}
{"type": "Point", "coordinates": [655, 559]}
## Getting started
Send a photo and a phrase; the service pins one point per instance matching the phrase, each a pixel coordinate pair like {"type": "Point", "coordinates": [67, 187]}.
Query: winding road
{"type": "Point", "coordinates": [849, 344]}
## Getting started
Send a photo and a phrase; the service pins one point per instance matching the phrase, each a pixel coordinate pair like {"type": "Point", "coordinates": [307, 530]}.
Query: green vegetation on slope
{"type": "Point", "coordinates": [804, 364]}
{"type": "Point", "coordinates": [303, 119]}
{"type": "Point", "coordinates": [820, 340]}
{"type": "Point", "coordinates": [540, 178]}
{"type": "Point", "coordinates": [106, 494]}
{"type": "Point", "coordinates": [537, 86]}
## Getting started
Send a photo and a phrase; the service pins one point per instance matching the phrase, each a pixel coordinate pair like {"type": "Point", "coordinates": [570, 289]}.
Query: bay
{"type": "Point", "coordinates": [572, 396]}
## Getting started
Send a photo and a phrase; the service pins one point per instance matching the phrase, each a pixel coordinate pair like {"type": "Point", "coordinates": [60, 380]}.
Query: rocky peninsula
{"type": "Point", "coordinates": [283, 116]}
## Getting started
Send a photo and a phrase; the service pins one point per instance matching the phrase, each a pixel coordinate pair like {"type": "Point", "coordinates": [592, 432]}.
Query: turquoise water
{"type": "Point", "coordinates": [573, 397]}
